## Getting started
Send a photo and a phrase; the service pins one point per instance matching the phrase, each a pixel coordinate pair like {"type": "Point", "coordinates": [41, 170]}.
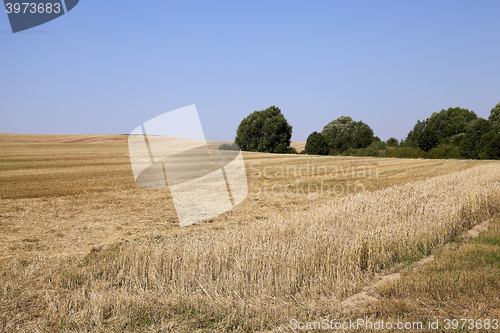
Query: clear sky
{"type": "Point", "coordinates": [108, 66]}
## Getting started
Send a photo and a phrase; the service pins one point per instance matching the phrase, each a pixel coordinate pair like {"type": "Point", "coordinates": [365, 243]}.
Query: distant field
{"type": "Point", "coordinates": [95, 252]}
{"type": "Point", "coordinates": [299, 146]}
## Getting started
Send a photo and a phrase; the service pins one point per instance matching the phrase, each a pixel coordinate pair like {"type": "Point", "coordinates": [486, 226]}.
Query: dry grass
{"type": "Point", "coordinates": [76, 192]}
{"type": "Point", "coordinates": [462, 282]}
{"type": "Point", "coordinates": [110, 257]}
{"type": "Point", "coordinates": [299, 146]}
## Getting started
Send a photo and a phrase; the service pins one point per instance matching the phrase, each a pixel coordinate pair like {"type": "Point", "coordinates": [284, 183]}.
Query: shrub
{"type": "Point", "coordinates": [229, 146]}
{"type": "Point", "coordinates": [444, 151]}
{"type": "Point", "coordinates": [372, 151]}
{"type": "Point", "coordinates": [316, 144]}
{"type": "Point", "coordinates": [377, 145]}
{"type": "Point", "coordinates": [406, 152]}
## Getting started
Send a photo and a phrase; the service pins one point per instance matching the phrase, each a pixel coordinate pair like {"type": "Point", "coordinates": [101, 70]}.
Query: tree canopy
{"type": "Point", "coordinates": [444, 125]}
{"type": "Point", "coordinates": [474, 142]}
{"type": "Point", "coordinates": [392, 142]}
{"type": "Point", "coordinates": [451, 133]}
{"type": "Point", "coordinates": [494, 117]}
{"type": "Point", "coordinates": [264, 131]}
{"type": "Point", "coordinates": [344, 133]}
{"type": "Point", "coordinates": [316, 144]}
{"type": "Point", "coordinates": [493, 147]}
{"type": "Point", "coordinates": [428, 139]}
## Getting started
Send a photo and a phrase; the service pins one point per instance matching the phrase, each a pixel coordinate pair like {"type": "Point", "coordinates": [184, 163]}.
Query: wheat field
{"type": "Point", "coordinates": [83, 249]}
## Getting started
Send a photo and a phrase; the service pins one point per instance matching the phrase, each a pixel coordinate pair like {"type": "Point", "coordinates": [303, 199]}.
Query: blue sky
{"type": "Point", "coordinates": [108, 66]}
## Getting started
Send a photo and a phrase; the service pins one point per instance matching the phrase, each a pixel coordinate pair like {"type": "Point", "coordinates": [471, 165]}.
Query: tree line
{"type": "Point", "coordinates": [451, 133]}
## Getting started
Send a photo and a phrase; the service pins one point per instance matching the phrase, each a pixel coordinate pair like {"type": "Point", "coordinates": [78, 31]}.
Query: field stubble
{"type": "Point", "coordinates": [83, 249]}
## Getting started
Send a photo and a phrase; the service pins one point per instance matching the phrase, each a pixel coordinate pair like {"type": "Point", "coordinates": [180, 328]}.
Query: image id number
{"type": "Point", "coordinates": [33, 8]}
{"type": "Point", "coordinates": [471, 324]}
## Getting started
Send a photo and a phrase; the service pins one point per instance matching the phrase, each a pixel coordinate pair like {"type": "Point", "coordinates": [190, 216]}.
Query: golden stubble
{"type": "Point", "coordinates": [89, 246]}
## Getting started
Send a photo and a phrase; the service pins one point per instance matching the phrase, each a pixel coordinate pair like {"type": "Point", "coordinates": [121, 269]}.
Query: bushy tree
{"type": "Point", "coordinates": [493, 147]}
{"type": "Point", "coordinates": [457, 139]}
{"type": "Point", "coordinates": [444, 124]}
{"type": "Point", "coordinates": [428, 140]}
{"type": "Point", "coordinates": [264, 131]}
{"type": "Point", "coordinates": [413, 136]}
{"type": "Point", "coordinates": [344, 133]}
{"type": "Point", "coordinates": [453, 121]}
{"type": "Point", "coordinates": [377, 144]}
{"type": "Point", "coordinates": [376, 148]}
{"type": "Point", "coordinates": [494, 117]}
{"type": "Point", "coordinates": [392, 142]}
{"type": "Point", "coordinates": [316, 144]}
{"type": "Point", "coordinates": [473, 144]}
{"type": "Point", "coordinates": [445, 151]}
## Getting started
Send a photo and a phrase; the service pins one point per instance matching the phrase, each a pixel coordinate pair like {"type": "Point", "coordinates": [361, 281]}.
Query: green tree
{"type": "Point", "coordinates": [428, 140]}
{"type": "Point", "coordinates": [457, 139]}
{"type": "Point", "coordinates": [493, 147]}
{"type": "Point", "coordinates": [377, 144]}
{"type": "Point", "coordinates": [392, 142]}
{"type": "Point", "coordinates": [446, 124]}
{"type": "Point", "coordinates": [264, 131]}
{"type": "Point", "coordinates": [494, 117]}
{"type": "Point", "coordinates": [344, 133]}
{"type": "Point", "coordinates": [413, 136]}
{"type": "Point", "coordinates": [473, 144]}
{"type": "Point", "coordinates": [316, 144]}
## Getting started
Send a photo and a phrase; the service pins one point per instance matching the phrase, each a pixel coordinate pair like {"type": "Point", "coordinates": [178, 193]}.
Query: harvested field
{"type": "Point", "coordinates": [82, 248]}
{"type": "Point", "coordinates": [299, 146]}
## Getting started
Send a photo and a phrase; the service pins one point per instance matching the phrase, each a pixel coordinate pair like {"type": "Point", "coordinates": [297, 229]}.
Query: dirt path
{"type": "Point", "coordinates": [363, 300]}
